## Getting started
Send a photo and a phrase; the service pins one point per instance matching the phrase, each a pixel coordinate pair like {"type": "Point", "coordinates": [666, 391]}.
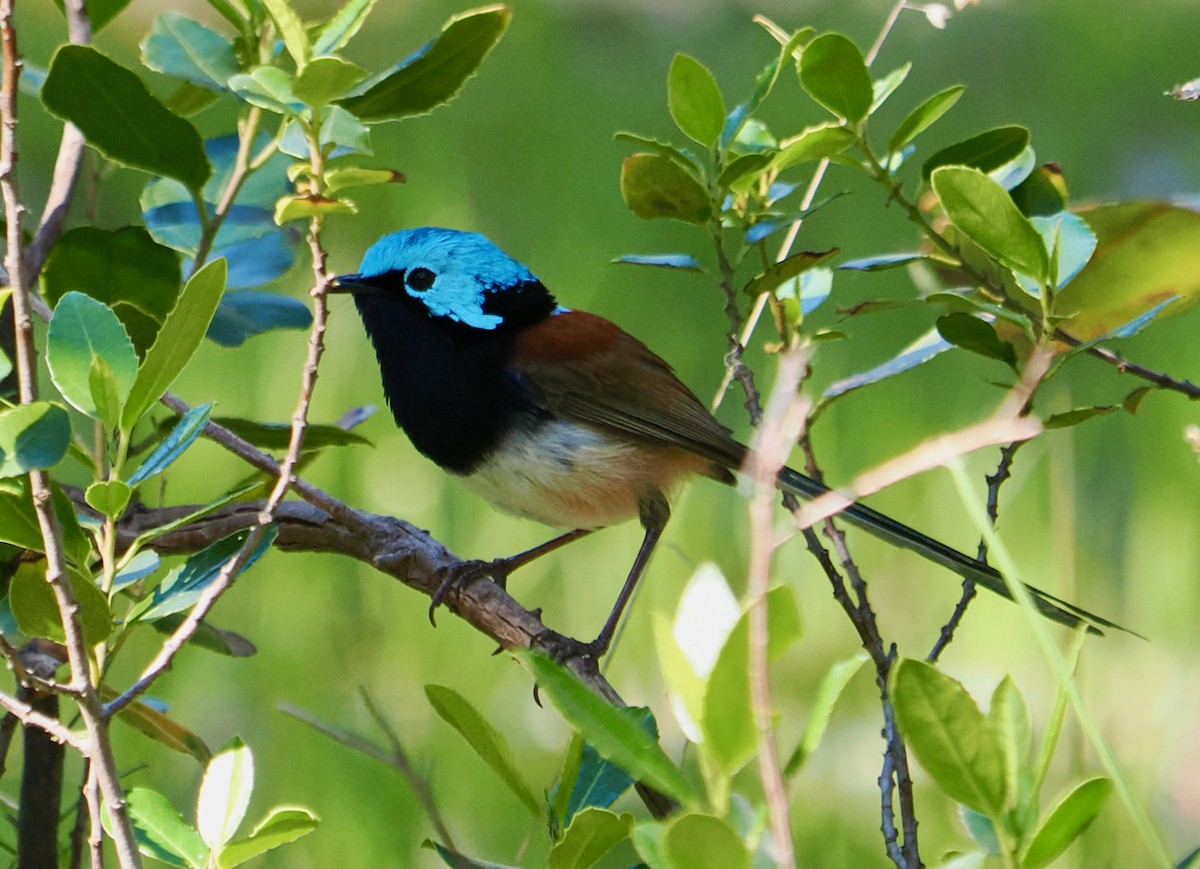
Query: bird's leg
{"type": "Point", "coordinates": [466, 572]}
{"type": "Point", "coordinates": [653, 511]}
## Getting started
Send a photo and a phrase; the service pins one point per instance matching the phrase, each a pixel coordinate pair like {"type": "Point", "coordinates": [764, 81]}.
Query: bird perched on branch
{"type": "Point", "coordinates": [559, 415]}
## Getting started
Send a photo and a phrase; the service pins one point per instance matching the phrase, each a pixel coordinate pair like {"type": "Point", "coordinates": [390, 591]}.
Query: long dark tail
{"type": "Point", "coordinates": [898, 534]}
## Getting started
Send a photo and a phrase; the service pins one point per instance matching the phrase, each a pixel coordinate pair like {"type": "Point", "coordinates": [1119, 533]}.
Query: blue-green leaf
{"type": "Point", "coordinates": [84, 332]}
{"type": "Point", "coordinates": [244, 314]}
{"type": "Point", "coordinates": [342, 27]}
{"type": "Point", "coordinates": [189, 427]}
{"type": "Point", "coordinates": [33, 437]}
{"type": "Point", "coordinates": [189, 50]}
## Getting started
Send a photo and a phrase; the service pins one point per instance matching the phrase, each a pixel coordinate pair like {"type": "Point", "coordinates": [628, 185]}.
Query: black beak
{"type": "Point", "coordinates": [350, 284]}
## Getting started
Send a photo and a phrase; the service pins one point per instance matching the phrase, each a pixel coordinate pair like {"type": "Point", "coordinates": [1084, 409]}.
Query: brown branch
{"type": "Point", "coordinates": [98, 746]}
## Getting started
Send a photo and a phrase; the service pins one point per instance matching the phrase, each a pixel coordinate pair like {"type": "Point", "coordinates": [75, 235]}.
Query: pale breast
{"type": "Point", "coordinates": [572, 475]}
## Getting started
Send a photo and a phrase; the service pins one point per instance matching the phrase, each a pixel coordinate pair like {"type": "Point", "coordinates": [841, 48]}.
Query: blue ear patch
{"type": "Point", "coordinates": [466, 265]}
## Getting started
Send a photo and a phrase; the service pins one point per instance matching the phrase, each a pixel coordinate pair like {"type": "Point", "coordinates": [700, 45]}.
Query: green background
{"type": "Point", "coordinates": [1105, 514]}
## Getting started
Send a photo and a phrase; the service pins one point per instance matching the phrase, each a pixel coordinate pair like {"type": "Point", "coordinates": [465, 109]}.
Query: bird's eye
{"type": "Point", "coordinates": [420, 279]}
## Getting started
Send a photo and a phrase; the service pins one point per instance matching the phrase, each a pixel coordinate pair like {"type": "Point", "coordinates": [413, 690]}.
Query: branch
{"type": "Point", "coordinates": [98, 747]}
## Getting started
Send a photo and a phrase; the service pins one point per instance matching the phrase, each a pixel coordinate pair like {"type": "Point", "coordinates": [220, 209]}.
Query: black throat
{"type": "Point", "coordinates": [447, 384]}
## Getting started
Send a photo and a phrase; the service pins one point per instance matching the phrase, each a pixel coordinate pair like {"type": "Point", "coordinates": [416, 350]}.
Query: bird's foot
{"type": "Point", "coordinates": [562, 649]}
{"type": "Point", "coordinates": [465, 573]}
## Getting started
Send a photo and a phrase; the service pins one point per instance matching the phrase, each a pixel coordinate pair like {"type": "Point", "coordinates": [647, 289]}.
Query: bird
{"type": "Point", "coordinates": [559, 415]}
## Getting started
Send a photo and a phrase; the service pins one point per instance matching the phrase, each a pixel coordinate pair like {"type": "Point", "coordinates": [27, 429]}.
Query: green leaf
{"type": "Point", "coordinates": [276, 435]}
{"type": "Point", "coordinates": [1072, 244]}
{"type": "Point", "coordinates": [703, 840]}
{"type": "Point", "coordinates": [282, 824]}
{"type": "Point", "coordinates": [814, 143]}
{"type": "Point", "coordinates": [119, 117]}
{"type": "Point", "coordinates": [177, 340]}
{"type": "Point", "coordinates": [305, 207]}
{"type": "Point", "coordinates": [187, 49]}
{"type": "Point", "coordinates": [614, 735]}
{"type": "Point", "coordinates": [109, 498]}
{"type": "Point", "coordinates": [33, 437]}
{"type": "Point", "coordinates": [1145, 255]}
{"type": "Point", "coordinates": [984, 212]}
{"type": "Point", "coordinates": [985, 152]}
{"type": "Point", "coordinates": [950, 736]}
{"type": "Point", "coordinates": [213, 639]}
{"type": "Point", "coordinates": [163, 729]}
{"type": "Point", "coordinates": [105, 392]}
{"type": "Point", "coordinates": [647, 838]}
{"type": "Point", "coordinates": [1010, 720]}
{"type": "Point", "coordinates": [225, 793]}
{"type": "Point", "coordinates": [662, 149]}
{"type": "Point", "coordinates": [1069, 418]}
{"type": "Point", "coordinates": [780, 272]}
{"type": "Point", "coordinates": [189, 427]}
{"type": "Point", "coordinates": [924, 116]}
{"type": "Point", "coordinates": [457, 860]}
{"type": "Point", "coordinates": [694, 100]}
{"type": "Point", "coordinates": [487, 742]}
{"type": "Point", "coordinates": [161, 831]}
{"type": "Point", "coordinates": [834, 74]}
{"type": "Point", "coordinates": [830, 689]}
{"type": "Point", "coordinates": [744, 171]}
{"type": "Point", "coordinates": [36, 610]}
{"type": "Point", "coordinates": [978, 336]}
{"type": "Point", "coordinates": [1066, 822]}
{"type": "Point", "coordinates": [268, 87]}
{"type": "Point", "coordinates": [125, 269]}
{"type": "Point", "coordinates": [655, 186]}
{"type": "Point", "coordinates": [84, 331]}
{"type": "Point", "coordinates": [18, 522]}
{"type": "Point", "coordinates": [727, 719]}
{"type": "Point", "coordinates": [883, 88]}
{"type": "Point", "coordinates": [592, 834]}
{"type": "Point", "coordinates": [291, 28]}
{"type": "Point", "coordinates": [182, 587]}
{"type": "Point", "coordinates": [1044, 192]}
{"type": "Point", "coordinates": [326, 79]}
{"type": "Point", "coordinates": [341, 177]}
{"type": "Point", "coordinates": [100, 12]}
{"type": "Point", "coordinates": [434, 73]}
{"type": "Point", "coordinates": [342, 27]}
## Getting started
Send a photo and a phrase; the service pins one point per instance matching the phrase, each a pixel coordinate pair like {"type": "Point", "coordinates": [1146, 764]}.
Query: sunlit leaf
{"type": "Point", "coordinates": [177, 340]}
{"type": "Point", "coordinates": [1066, 822]}
{"type": "Point", "coordinates": [694, 100]}
{"type": "Point", "coordinates": [81, 332]}
{"type": "Point", "coordinates": [924, 116]}
{"type": "Point", "coordinates": [326, 79]}
{"type": "Point", "coordinates": [590, 835]}
{"type": "Point", "coordinates": [917, 353]}
{"type": "Point", "coordinates": [832, 685]}
{"type": "Point", "coordinates": [682, 261]}
{"type": "Point", "coordinates": [693, 839]}
{"type": "Point", "coordinates": [814, 143]}
{"type": "Point", "coordinates": [283, 824]}
{"type": "Point", "coordinates": [950, 736]}
{"type": "Point", "coordinates": [982, 210]}
{"type": "Point", "coordinates": [225, 793]}
{"type": "Point", "coordinates": [342, 27]}
{"type": "Point", "coordinates": [834, 74]}
{"type": "Point", "coordinates": [161, 831]}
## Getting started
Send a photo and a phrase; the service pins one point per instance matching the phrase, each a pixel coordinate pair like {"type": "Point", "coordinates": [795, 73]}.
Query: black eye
{"type": "Point", "coordinates": [420, 279]}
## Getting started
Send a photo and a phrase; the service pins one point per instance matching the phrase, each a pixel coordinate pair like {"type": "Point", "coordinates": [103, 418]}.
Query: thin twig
{"type": "Point", "coordinates": [99, 749]}
{"type": "Point", "coordinates": [29, 716]}
{"type": "Point", "coordinates": [781, 425]}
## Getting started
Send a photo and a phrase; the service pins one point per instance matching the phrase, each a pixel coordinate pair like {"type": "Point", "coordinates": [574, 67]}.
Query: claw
{"type": "Point", "coordinates": [463, 574]}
